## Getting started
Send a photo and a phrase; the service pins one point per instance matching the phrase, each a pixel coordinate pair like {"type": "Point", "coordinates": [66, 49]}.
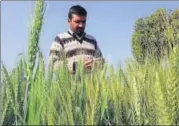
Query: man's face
{"type": "Point", "coordinates": [77, 24]}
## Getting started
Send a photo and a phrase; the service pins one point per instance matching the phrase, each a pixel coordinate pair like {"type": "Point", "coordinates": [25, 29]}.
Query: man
{"type": "Point", "coordinates": [75, 44]}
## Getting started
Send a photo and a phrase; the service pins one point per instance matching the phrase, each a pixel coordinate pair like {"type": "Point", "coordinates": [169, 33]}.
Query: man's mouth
{"type": "Point", "coordinates": [80, 31]}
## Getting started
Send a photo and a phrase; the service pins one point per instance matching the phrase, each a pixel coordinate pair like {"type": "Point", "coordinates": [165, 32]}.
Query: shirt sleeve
{"type": "Point", "coordinates": [98, 55]}
{"type": "Point", "coordinates": [57, 55]}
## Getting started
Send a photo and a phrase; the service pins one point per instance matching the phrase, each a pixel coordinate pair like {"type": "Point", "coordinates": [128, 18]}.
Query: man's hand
{"type": "Point", "coordinates": [88, 63]}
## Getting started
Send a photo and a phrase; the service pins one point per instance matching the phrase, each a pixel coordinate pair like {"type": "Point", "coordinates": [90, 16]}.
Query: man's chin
{"type": "Point", "coordinates": [80, 33]}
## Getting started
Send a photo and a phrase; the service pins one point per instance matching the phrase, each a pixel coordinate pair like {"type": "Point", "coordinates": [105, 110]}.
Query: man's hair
{"type": "Point", "coordinates": [77, 10]}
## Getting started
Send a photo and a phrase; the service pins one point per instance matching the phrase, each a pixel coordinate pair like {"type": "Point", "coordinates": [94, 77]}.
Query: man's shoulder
{"type": "Point", "coordinates": [88, 36]}
{"type": "Point", "coordinates": [91, 39]}
{"type": "Point", "coordinates": [63, 35]}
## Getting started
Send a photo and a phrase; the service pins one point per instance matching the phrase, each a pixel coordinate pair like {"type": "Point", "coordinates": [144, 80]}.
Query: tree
{"type": "Point", "coordinates": [155, 35]}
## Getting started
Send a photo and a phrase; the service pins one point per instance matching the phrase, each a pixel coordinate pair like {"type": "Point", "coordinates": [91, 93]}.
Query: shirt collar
{"type": "Point", "coordinates": [71, 32]}
{"type": "Point", "coordinates": [75, 35]}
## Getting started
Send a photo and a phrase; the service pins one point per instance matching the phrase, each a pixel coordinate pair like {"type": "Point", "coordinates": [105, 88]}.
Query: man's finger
{"type": "Point", "coordinates": [88, 66]}
{"type": "Point", "coordinates": [88, 62]}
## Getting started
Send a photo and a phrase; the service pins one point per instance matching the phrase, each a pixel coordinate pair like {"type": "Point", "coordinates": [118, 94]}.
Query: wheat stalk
{"type": "Point", "coordinates": [173, 87]}
{"type": "Point", "coordinates": [33, 48]}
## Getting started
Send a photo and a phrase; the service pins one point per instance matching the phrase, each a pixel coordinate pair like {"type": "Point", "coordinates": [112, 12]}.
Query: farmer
{"type": "Point", "coordinates": [75, 44]}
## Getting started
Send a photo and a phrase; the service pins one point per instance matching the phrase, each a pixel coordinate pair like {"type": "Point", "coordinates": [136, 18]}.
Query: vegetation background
{"type": "Point", "coordinates": [142, 92]}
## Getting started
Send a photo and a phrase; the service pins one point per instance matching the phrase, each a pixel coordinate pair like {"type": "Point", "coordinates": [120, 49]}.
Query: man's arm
{"type": "Point", "coordinates": [98, 58]}
{"type": "Point", "coordinates": [56, 53]}
{"type": "Point", "coordinates": [98, 54]}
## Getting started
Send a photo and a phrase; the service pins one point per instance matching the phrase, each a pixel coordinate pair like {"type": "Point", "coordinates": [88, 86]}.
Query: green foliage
{"type": "Point", "coordinates": [155, 35]}
{"type": "Point", "coordinates": [138, 94]}
{"type": "Point", "coordinates": [33, 49]}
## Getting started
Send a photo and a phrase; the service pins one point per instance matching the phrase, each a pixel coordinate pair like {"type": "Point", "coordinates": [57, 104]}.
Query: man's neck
{"type": "Point", "coordinates": [76, 35]}
{"type": "Point", "coordinates": [71, 32]}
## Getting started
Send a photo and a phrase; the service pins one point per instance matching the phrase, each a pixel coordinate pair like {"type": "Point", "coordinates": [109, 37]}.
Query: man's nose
{"type": "Point", "coordinates": [81, 25]}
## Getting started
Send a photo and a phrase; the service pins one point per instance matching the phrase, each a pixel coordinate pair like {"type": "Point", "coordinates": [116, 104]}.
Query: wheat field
{"type": "Point", "coordinates": [136, 94]}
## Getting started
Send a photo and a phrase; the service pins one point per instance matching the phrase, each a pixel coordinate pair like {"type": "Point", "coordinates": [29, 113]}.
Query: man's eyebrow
{"type": "Point", "coordinates": [81, 20]}
{"type": "Point", "coordinates": [77, 21]}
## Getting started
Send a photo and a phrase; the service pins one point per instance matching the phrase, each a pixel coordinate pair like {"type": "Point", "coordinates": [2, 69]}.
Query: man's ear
{"type": "Point", "coordinates": [69, 20]}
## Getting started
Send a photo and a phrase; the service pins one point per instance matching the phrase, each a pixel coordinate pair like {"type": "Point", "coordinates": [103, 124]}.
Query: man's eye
{"type": "Point", "coordinates": [77, 22]}
{"type": "Point", "coordinates": [83, 21]}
